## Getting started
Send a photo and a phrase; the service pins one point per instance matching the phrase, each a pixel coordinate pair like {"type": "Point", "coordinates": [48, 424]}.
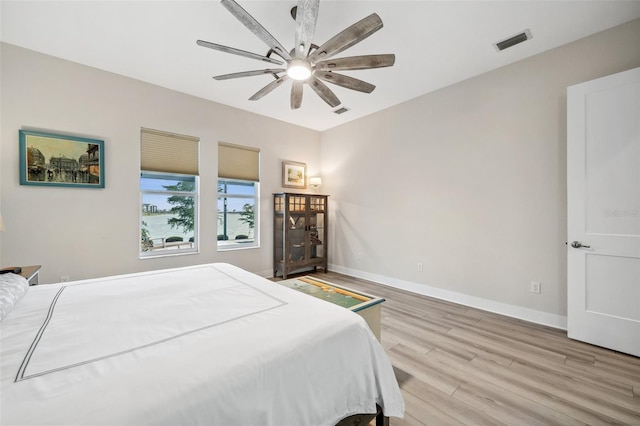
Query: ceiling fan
{"type": "Point", "coordinates": [307, 63]}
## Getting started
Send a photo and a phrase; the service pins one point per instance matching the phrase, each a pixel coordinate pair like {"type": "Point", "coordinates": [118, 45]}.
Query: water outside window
{"type": "Point", "coordinates": [168, 219]}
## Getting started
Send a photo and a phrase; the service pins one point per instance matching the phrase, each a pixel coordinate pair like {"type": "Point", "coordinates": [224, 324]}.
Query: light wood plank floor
{"type": "Point", "coordinates": [462, 366]}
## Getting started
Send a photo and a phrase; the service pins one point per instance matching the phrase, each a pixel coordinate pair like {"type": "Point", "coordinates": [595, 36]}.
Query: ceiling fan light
{"type": "Point", "coordinates": [299, 69]}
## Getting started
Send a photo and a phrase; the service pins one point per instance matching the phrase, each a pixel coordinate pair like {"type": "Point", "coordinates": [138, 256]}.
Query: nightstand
{"type": "Point", "coordinates": [31, 273]}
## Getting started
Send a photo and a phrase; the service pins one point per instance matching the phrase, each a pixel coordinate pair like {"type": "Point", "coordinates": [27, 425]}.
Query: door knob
{"type": "Point", "coordinates": [578, 244]}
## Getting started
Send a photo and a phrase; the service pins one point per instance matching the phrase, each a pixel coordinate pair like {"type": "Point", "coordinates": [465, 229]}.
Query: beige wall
{"type": "Point", "coordinates": [89, 232]}
{"type": "Point", "coordinates": [469, 180]}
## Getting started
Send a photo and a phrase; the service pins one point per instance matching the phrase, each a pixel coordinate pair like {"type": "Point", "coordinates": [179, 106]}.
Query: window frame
{"type": "Point", "coordinates": [152, 254]}
{"type": "Point", "coordinates": [230, 245]}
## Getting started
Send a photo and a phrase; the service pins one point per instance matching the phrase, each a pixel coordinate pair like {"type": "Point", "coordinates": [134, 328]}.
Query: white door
{"type": "Point", "coordinates": [603, 184]}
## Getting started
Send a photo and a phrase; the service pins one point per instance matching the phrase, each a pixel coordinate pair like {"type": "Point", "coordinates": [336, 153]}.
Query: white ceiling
{"type": "Point", "coordinates": [436, 43]}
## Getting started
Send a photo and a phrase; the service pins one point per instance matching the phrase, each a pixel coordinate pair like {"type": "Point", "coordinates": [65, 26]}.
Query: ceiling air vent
{"type": "Point", "coordinates": [341, 110]}
{"type": "Point", "coordinates": [512, 41]}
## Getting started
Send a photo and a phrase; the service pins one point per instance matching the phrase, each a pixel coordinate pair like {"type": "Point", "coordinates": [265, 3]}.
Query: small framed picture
{"type": "Point", "coordinates": [50, 159]}
{"type": "Point", "coordinates": [294, 175]}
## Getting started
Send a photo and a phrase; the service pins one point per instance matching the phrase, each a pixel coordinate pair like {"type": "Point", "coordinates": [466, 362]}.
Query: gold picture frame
{"type": "Point", "coordinates": [294, 175]}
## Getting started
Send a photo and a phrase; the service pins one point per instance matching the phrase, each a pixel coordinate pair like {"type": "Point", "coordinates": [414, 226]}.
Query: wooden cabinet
{"type": "Point", "coordinates": [300, 233]}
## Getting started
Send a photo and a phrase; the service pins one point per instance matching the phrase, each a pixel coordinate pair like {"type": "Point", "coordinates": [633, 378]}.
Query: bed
{"type": "Point", "coordinates": [208, 345]}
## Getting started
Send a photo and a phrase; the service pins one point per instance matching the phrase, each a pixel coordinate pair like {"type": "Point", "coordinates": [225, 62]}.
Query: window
{"type": "Point", "coordinates": [168, 194]}
{"type": "Point", "coordinates": [169, 214]}
{"type": "Point", "coordinates": [237, 202]}
{"type": "Point", "coordinates": [238, 197]}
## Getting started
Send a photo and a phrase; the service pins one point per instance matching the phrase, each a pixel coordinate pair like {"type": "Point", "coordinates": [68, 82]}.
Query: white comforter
{"type": "Point", "coordinates": [210, 345]}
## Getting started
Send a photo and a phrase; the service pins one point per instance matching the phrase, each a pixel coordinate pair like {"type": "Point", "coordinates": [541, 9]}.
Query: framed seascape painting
{"type": "Point", "coordinates": [294, 175]}
{"type": "Point", "coordinates": [50, 159]}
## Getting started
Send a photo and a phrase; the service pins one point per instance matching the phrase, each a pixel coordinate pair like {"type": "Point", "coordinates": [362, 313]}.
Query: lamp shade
{"type": "Point", "coordinates": [315, 181]}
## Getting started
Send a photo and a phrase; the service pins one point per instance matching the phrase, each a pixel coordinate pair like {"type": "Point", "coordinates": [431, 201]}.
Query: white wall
{"type": "Point", "coordinates": [87, 233]}
{"type": "Point", "coordinates": [469, 180]}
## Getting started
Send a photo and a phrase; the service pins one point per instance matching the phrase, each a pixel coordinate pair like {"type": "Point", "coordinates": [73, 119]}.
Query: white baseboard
{"type": "Point", "coordinates": [265, 274]}
{"type": "Point", "coordinates": [531, 315]}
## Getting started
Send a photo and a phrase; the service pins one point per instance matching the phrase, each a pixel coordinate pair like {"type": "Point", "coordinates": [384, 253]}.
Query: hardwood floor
{"type": "Point", "coordinates": [462, 366]}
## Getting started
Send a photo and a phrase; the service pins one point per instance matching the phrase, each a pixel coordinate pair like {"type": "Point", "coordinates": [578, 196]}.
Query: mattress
{"type": "Point", "coordinates": [208, 344]}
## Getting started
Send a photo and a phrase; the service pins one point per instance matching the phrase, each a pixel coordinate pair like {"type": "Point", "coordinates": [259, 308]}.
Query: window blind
{"type": "Point", "coordinates": [168, 152]}
{"type": "Point", "coordinates": [238, 162]}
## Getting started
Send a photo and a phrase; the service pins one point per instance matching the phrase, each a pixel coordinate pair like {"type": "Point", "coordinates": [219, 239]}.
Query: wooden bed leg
{"type": "Point", "coordinates": [381, 419]}
{"type": "Point", "coordinates": [365, 419]}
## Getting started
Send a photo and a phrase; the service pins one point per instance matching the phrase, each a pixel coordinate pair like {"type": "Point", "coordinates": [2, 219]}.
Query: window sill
{"type": "Point", "coordinates": [166, 253]}
{"type": "Point", "coordinates": [235, 245]}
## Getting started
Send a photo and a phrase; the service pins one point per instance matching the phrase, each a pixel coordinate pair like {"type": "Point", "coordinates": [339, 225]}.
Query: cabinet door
{"type": "Point", "coordinates": [316, 235]}
{"type": "Point", "coordinates": [297, 237]}
{"type": "Point", "coordinates": [317, 227]}
{"type": "Point", "coordinates": [278, 238]}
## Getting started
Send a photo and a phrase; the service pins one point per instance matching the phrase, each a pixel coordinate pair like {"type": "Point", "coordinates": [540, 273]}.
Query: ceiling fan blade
{"type": "Point", "coordinates": [269, 88]}
{"type": "Point", "coordinates": [323, 91]}
{"type": "Point", "coordinates": [345, 81]}
{"type": "Point", "coordinates": [255, 27]}
{"type": "Point", "coordinates": [248, 74]}
{"type": "Point", "coordinates": [296, 94]}
{"type": "Point", "coordinates": [238, 52]}
{"type": "Point", "coordinates": [357, 62]}
{"type": "Point", "coordinates": [306, 18]}
{"type": "Point", "coordinates": [348, 37]}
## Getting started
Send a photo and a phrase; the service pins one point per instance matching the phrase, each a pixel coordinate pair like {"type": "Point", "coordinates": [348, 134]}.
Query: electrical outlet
{"type": "Point", "coordinates": [535, 287]}
{"type": "Point", "coordinates": [64, 278]}
{"type": "Point", "coordinates": [420, 267]}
